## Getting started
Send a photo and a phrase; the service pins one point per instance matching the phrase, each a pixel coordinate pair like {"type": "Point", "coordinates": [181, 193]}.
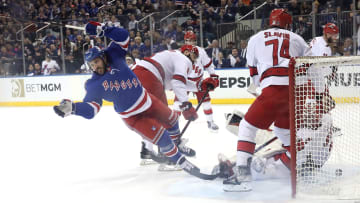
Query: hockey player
{"type": "Point", "coordinates": [202, 63]}
{"type": "Point", "coordinates": [113, 81]}
{"type": "Point", "coordinates": [314, 123]}
{"type": "Point", "coordinates": [268, 57]}
{"type": "Point", "coordinates": [168, 70]}
{"type": "Point", "coordinates": [321, 46]}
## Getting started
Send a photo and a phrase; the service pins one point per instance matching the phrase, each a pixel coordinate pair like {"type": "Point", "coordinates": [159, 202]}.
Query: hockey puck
{"type": "Point", "coordinates": [338, 172]}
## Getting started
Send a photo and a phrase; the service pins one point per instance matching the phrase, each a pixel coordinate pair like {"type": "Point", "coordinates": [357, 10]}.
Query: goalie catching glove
{"type": "Point", "coordinates": [210, 83]}
{"type": "Point", "coordinates": [65, 108]}
{"type": "Point", "coordinates": [188, 111]}
{"type": "Point", "coordinates": [94, 28]}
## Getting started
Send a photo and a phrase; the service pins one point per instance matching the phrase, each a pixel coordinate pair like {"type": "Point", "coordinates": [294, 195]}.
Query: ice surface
{"type": "Point", "coordinates": [48, 159]}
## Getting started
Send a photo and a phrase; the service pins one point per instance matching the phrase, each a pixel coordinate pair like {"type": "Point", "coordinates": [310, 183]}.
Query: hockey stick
{"type": "Point", "coordinates": [197, 108]}
{"type": "Point", "coordinates": [265, 144]}
{"type": "Point", "coordinates": [22, 20]}
{"type": "Point", "coordinates": [195, 171]}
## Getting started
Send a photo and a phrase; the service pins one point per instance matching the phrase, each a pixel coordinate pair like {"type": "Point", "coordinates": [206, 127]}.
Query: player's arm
{"type": "Point", "coordinates": [252, 63]}
{"type": "Point", "coordinates": [88, 108]}
{"type": "Point", "coordinates": [178, 83]}
{"type": "Point", "coordinates": [119, 35]}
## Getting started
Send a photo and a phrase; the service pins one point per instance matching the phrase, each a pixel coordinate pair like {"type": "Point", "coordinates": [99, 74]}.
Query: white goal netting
{"type": "Point", "coordinates": [325, 117]}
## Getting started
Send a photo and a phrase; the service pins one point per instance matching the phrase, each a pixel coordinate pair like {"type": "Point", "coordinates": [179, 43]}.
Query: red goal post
{"type": "Point", "coordinates": [324, 99]}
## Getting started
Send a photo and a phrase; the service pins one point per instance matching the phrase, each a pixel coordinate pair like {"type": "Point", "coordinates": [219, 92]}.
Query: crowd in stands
{"type": "Point", "coordinates": [44, 46]}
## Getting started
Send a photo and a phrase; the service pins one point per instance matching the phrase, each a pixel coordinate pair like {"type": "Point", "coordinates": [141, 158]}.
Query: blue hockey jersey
{"type": "Point", "coordinates": [118, 85]}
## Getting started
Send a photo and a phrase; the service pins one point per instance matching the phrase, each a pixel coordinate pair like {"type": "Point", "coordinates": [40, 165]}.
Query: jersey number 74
{"type": "Point", "coordinates": [284, 49]}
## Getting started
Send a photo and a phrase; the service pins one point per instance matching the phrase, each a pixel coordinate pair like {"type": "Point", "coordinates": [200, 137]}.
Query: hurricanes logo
{"type": "Point", "coordinates": [17, 89]}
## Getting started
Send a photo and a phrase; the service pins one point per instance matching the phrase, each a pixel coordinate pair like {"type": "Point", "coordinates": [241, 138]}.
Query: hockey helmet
{"type": "Point", "coordinates": [331, 28]}
{"type": "Point", "coordinates": [190, 48]}
{"type": "Point", "coordinates": [279, 18]}
{"type": "Point", "coordinates": [93, 53]}
{"type": "Point", "coordinates": [190, 35]}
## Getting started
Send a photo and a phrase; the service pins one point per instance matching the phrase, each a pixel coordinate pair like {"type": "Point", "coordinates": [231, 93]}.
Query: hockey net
{"type": "Point", "coordinates": [325, 127]}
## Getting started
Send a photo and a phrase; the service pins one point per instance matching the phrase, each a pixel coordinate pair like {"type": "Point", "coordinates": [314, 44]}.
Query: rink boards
{"type": "Point", "coordinates": [48, 90]}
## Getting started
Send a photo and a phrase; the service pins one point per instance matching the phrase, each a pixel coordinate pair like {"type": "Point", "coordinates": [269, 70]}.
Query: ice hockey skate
{"type": "Point", "coordinates": [146, 156]}
{"type": "Point", "coordinates": [241, 180]}
{"type": "Point", "coordinates": [187, 151]}
{"type": "Point", "coordinates": [212, 126]}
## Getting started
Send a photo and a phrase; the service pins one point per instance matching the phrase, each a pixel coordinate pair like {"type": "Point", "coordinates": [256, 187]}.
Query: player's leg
{"type": "Point", "coordinates": [206, 105]}
{"type": "Point", "coordinates": [169, 119]}
{"type": "Point", "coordinates": [260, 115]}
{"type": "Point", "coordinates": [151, 130]}
{"type": "Point", "coordinates": [153, 86]}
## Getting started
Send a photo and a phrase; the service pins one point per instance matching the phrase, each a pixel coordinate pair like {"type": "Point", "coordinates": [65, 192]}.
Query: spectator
{"type": "Point", "coordinates": [148, 7]}
{"type": "Point", "coordinates": [243, 49]}
{"type": "Point", "coordinates": [214, 50]}
{"type": "Point", "coordinates": [30, 70]}
{"type": "Point", "coordinates": [236, 60]}
{"type": "Point", "coordinates": [93, 10]}
{"type": "Point", "coordinates": [133, 23]}
{"type": "Point", "coordinates": [179, 34]}
{"type": "Point", "coordinates": [49, 66]}
{"type": "Point", "coordinates": [347, 48]}
{"type": "Point", "coordinates": [129, 61]}
{"type": "Point", "coordinates": [145, 49]}
{"type": "Point", "coordinates": [221, 62]}
{"type": "Point", "coordinates": [229, 47]}
{"type": "Point", "coordinates": [50, 38]}
{"type": "Point", "coordinates": [37, 69]}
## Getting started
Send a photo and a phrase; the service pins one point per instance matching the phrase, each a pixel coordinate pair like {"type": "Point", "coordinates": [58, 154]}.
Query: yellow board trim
{"type": "Point", "coordinates": [338, 100]}
{"type": "Point", "coordinates": [105, 103]}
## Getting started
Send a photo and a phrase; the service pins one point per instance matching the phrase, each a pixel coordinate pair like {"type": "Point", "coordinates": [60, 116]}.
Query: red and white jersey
{"type": "Point", "coordinates": [269, 53]}
{"type": "Point", "coordinates": [171, 67]}
{"type": "Point", "coordinates": [202, 63]}
{"type": "Point", "coordinates": [319, 47]}
{"type": "Point", "coordinates": [46, 67]}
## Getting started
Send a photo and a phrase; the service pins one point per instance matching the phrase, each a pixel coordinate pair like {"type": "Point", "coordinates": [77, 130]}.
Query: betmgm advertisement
{"type": "Point", "coordinates": [49, 90]}
{"type": "Point", "coordinates": [46, 90]}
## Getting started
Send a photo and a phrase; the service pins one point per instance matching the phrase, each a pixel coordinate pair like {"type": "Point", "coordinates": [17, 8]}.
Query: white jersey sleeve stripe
{"type": "Point", "coordinates": [124, 44]}
{"type": "Point", "coordinates": [95, 106]}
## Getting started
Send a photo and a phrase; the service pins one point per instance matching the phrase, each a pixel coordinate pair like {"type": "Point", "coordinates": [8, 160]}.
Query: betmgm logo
{"type": "Point", "coordinates": [17, 88]}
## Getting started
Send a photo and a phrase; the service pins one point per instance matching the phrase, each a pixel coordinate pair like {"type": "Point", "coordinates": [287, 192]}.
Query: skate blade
{"type": "Point", "coordinates": [163, 167]}
{"type": "Point", "coordinates": [146, 162]}
{"type": "Point", "coordinates": [213, 131]}
{"type": "Point", "coordinates": [243, 187]}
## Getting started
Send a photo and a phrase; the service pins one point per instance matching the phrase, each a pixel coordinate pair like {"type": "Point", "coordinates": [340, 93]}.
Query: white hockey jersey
{"type": "Point", "coordinates": [202, 63]}
{"type": "Point", "coordinates": [319, 47]}
{"type": "Point", "coordinates": [316, 75]}
{"type": "Point", "coordinates": [171, 67]}
{"type": "Point", "coordinates": [46, 67]}
{"type": "Point", "coordinates": [269, 53]}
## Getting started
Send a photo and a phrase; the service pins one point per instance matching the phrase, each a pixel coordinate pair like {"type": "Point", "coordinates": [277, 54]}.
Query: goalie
{"type": "Point", "coordinates": [270, 162]}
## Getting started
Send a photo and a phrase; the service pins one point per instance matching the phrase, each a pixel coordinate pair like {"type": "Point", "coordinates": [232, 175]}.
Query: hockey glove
{"type": "Point", "coordinates": [95, 28]}
{"type": "Point", "coordinates": [188, 111]}
{"type": "Point", "coordinates": [66, 108]}
{"type": "Point", "coordinates": [208, 83]}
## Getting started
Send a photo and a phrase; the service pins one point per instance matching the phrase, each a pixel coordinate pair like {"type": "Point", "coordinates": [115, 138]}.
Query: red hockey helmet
{"type": "Point", "coordinates": [190, 35]}
{"type": "Point", "coordinates": [279, 18]}
{"type": "Point", "coordinates": [190, 48]}
{"type": "Point", "coordinates": [331, 28]}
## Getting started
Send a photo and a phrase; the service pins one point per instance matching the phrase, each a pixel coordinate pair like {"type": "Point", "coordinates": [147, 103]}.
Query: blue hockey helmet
{"type": "Point", "coordinates": [93, 53]}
